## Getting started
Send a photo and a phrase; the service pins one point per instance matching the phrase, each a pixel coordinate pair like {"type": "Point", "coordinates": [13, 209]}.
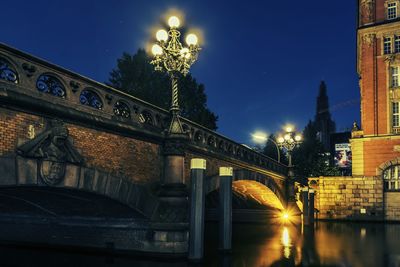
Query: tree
{"type": "Point", "coordinates": [271, 150]}
{"type": "Point", "coordinates": [136, 76]}
{"type": "Point", "coordinates": [309, 158]}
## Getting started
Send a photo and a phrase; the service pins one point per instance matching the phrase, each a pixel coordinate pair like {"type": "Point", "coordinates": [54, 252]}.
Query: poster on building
{"type": "Point", "coordinates": [343, 155]}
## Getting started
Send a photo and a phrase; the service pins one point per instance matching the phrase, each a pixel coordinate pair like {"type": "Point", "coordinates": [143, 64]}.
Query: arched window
{"type": "Point", "coordinates": [122, 110]}
{"type": "Point", "coordinates": [90, 98]}
{"type": "Point", "coordinates": [7, 72]}
{"type": "Point", "coordinates": [51, 85]}
{"type": "Point", "coordinates": [391, 178]}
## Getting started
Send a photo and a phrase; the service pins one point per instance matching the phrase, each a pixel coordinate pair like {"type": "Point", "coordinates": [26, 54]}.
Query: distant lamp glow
{"type": "Point", "coordinates": [259, 137]}
{"type": "Point", "coordinates": [289, 129]}
{"type": "Point", "coordinates": [156, 50]}
{"type": "Point", "coordinates": [162, 35]}
{"type": "Point", "coordinates": [174, 22]}
{"type": "Point", "coordinates": [281, 139]}
{"type": "Point", "coordinates": [191, 39]}
{"type": "Point", "coordinates": [287, 137]}
{"type": "Point", "coordinates": [297, 138]}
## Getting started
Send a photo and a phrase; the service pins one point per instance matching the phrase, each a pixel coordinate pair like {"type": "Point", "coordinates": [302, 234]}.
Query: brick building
{"type": "Point", "coordinates": [376, 146]}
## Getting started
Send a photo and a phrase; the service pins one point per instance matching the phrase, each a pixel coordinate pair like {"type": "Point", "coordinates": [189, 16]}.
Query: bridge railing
{"type": "Point", "coordinates": [34, 83]}
{"type": "Point", "coordinates": [207, 141]}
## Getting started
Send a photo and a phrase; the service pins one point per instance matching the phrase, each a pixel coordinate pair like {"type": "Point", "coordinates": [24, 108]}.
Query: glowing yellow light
{"type": "Point", "coordinates": [174, 22]}
{"type": "Point", "coordinates": [297, 138]}
{"type": "Point", "coordinates": [259, 137]}
{"type": "Point", "coordinates": [191, 39]}
{"type": "Point", "coordinates": [287, 137]}
{"type": "Point", "coordinates": [285, 237]}
{"type": "Point", "coordinates": [185, 52]}
{"type": "Point", "coordinates": [156, 50]}
{"type": "Point", "coordinates": [281, 139]}
{"type": "Point", "coordinates": [289, 129]}
{"type": "Point", "coordinates": [285, 216]}
{"type": "Point", "coordinates": [162, 35]}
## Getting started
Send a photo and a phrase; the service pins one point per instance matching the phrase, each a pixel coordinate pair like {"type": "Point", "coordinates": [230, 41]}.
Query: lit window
{"type": "Point", "coordinates": [391, 178]}
{"type": "Point", "coordinates": [395, 114]}
{"type": "Point", "coordinates": [395, 76]}
{"type": "Point", "coordinates": [387, 45]}
{"type": "Point", "coordinates": [397, 44]}
{"type": "Point", "coordinates": [392, 11]}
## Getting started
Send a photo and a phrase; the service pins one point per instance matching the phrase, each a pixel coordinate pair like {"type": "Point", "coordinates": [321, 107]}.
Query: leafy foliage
{"type": "Point", "coordinates": [271, 150]}
{"type": "Point", "coordinates": [136, 76]}
{"type": "Point", "coordinates": [309, 158]}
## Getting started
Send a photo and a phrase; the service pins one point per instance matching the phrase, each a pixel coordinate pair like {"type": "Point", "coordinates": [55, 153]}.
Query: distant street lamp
{"type": "Point", "coordinates": [171, 56]}
{"type": "Point", "coordinates": [262, 137]}
{"type": "Point", "coordinates": [289, 141]}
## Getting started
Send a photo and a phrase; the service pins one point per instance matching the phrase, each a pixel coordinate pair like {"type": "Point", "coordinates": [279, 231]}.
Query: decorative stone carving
{"type": "Point", "coordinates": [369, 39]}
{"type": "Point", "coordinates": [53, 148]}
{"type": "Point", "coordinates": [366, 11]}
{"type": "Point", "coordinates": [29, 69]}
{"type": "Point", "coordinates": [74, 86]}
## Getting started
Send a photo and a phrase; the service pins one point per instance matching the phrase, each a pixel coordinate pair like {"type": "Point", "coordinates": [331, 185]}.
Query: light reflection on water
{"type": "Point", "coordinates": [328, 244]}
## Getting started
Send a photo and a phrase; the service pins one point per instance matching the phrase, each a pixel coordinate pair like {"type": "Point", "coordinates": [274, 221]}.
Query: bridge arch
{"type": "Point", "coordinates": [265, 184]}
{"type": "Point", "coordinates": [89, 180]}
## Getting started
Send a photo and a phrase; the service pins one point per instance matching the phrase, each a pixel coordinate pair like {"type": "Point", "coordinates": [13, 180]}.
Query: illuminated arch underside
{"type": "Point", "coordinates": [258, 192]}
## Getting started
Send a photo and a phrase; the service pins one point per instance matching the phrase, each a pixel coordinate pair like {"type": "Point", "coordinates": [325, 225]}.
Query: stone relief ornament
{"type": "Point", "coordinates": [53, 148]}
{"type": "Point", "coordinates": [367, 11]}
{"type": "Point", "coordinates": [369, 39]}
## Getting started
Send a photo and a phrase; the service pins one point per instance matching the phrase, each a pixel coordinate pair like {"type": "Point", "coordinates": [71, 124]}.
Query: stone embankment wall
{"type": "Point", "coordinates": [349, 198]}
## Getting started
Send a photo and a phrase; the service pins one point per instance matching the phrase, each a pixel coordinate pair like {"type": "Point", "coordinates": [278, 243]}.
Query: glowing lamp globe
{"type": "Point", "coordinates": [289, 129]}
{"type": "Point", "coordinates": [162, 35]}
{"type": "Point", "coordinates": [281, 140]}
{"type": "Point", "coordinates": [156, 50]}
{"type": "Point", "coordinates": [185, 52]}
{"type": "Point", "coordinates": [174, 22]}
{"type": "Point", "coordinates": [297, 138]}
{"type": "Point", "coordinates": [287, 136]}
{"type": "Point", "coordinates": [191, 39]}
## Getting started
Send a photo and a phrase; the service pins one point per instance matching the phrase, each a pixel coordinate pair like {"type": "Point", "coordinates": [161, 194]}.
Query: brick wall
{"type": "Point", "coordinates": [378, 151]}
{"type": "Point", "coordinates": [392, 206]}
{"type": "Point", "coordinates": [344, 197]}
{"type": "Point", "coordinates": [14, 129]}
{"type": "Point", "coordinates": [122, 156]}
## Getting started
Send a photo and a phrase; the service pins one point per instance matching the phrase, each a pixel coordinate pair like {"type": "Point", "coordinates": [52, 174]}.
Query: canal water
{"type": "Point", "coordinates": [327, 244]}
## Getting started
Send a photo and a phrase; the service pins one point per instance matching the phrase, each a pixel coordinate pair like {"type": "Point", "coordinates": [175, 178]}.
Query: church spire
{"type": "Point", "coordinates": [323, 122]}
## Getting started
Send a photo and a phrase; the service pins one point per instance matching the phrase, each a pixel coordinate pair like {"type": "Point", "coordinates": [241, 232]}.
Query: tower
{"type": "Point", "coordinates": [322, 121]}
{"type": "Point", "coordinates": [376, 145]}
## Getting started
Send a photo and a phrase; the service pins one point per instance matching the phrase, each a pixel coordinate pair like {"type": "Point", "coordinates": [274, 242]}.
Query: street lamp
{"type": "Point", "coordinates": [259, 137]}
{"type": "Point", "coordinates": [174, 58]}
{"type": "Point", "coordinates": [288, 141]}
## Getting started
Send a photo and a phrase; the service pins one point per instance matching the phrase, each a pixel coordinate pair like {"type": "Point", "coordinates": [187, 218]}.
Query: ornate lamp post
{"type": "Point", "coordinates": [171, 56]}
{"type": "Point", "coordinates": [288, 141]}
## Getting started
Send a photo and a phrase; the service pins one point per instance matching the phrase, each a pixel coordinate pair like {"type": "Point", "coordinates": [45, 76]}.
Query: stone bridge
{"type": "Point", "coordinates": [59, 129]}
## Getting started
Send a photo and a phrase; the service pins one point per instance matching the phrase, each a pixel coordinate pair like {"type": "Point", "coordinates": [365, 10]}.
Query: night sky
{"type": "Point", "coordinates": [261, 63]}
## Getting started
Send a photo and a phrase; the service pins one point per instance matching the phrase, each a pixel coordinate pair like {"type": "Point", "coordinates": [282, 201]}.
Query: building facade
{"type": "Point", "coordinates": [376, 145]}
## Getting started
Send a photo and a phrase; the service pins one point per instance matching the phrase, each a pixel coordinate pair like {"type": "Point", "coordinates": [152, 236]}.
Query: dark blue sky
{"type": "Point", "coordinates": [261, 63]}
